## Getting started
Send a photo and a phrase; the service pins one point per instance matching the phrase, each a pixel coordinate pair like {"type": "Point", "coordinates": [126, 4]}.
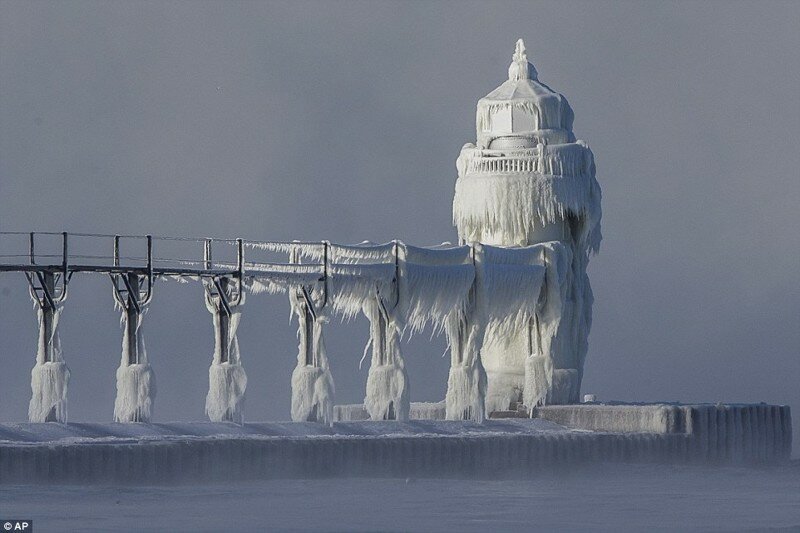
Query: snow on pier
{"type": "Point", "coordinates": [518, 447]}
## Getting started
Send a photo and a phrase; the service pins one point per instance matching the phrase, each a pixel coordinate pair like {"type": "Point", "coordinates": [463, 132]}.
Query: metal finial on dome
{"type": "Point", "coordinates": [520, 68]}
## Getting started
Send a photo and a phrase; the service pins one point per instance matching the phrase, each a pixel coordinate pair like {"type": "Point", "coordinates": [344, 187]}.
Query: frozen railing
{"type": "Point", "coordinates": [40, 251]}
{"type": "Point", "coordinates": [567, 159]}
{"type": "Point", "coordinates": [479, 165]}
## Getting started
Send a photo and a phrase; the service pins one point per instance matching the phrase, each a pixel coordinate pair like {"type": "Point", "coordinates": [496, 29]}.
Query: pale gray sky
{"type": "Point", "coordinates": [342, 121]}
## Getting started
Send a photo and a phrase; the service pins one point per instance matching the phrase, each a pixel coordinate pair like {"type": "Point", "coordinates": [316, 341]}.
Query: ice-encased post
{"type": "Point", "coordinates": [50, 375]}
{"type": "Point", "coordinates": [466, 381]}
{"type": "Point", "coordinates": [465, 398]}
{"type": "Point", "coordinates": [136, 386]}
{"type": "Point", "coordinates": [312, 382]}
{"type": "Point", "coordinates": [227, 381]}
{"type": "Point", "coordinates": [226, 376]}
{"type": "Point", "coordinates": [388, 396]}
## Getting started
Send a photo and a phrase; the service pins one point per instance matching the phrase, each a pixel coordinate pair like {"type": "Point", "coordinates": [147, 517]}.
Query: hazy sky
{"type": "Point", "coordinates": [342, 121]}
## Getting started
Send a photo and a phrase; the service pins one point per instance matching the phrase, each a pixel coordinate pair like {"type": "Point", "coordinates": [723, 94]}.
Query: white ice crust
{"type": "Point", "coordinates": [227, 380]}
{"type": "Point", "coordinates": [528, 181]}
{"type": "Point", "coordinates": [49, 379]}
{"type": "Point", "coordinates": [136, 383]}
{"type": "Point", "coordinates": [312, 382]}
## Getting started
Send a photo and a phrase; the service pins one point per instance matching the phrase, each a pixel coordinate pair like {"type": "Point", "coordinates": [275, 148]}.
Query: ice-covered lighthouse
{"type": "Point", "coordinates": [528, 181]}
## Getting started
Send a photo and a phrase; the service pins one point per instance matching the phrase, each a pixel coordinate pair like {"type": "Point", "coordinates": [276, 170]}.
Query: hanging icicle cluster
{"type": "Point", "coordinates": [516, 205]}
{"type": "Point", "coordinates": [458, 290]}
{"type": "Point", "coordinates": [461, 291]}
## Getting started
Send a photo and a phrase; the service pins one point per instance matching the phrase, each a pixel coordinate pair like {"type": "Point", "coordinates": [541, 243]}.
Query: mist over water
{"type": "Point", "coordinates": [604, 498]}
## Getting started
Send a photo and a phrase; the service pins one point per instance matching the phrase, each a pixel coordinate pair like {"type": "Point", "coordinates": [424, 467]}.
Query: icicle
{"type": "Point", "coordinates": [387, 395]}
{"type": "Point", "coordinates": [278, 278]}
{"type": "Point", "coordinates": [351, 286]}
{"type": "Point", "coordinates": [365, 252]}
{"type": "Point", "coordinates": [517, 205]}
{"type": "Point", "coordinates": [466, 381]}
{"type": "Point", "coordinates": [226, 376]}
{"type": "Point", "coordinates": [429, 294]}
{"type": "Point", "coordinates": [136, 385]}
{"type": "Point", "coordinates": [179, 278]}
{"type": "Point", "coordinates": [49, 378]}
{"type": "Point", "coordinates": [538, 380]}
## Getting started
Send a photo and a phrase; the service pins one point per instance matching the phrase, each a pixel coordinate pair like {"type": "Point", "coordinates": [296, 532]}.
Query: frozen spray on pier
{"type": "Point", "coordinates": [529, 181]}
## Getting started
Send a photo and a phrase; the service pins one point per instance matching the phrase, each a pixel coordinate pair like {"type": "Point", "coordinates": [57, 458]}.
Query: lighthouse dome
{"type": "Point", "coordinates": [523, 112]}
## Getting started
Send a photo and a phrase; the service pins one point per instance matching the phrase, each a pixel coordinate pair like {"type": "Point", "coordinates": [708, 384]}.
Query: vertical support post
{"type": "Point", "coordinates": [48, 313]}
{"type": "Point", "coordinates": [312, 384]}
{"type": "Point", "coordinates": [460, 342]}
{"type": "Point", "coordinates": [116, 250]}
{"type": "Point", "coordinates": [531, 322]}
{"type": "Point", "coordinates": [325, 246]}
{"type": "Point", "coordinates": [135, 377]}
{"type": "Point", "coordinates": [382, 339]}
{"type": "Point", "coordinates": [207, 264]}
{"type": "Point", "coordinates": [227, 378]}
{"type": "Point", "coordinates": [65, 258]}
{"type": "Point", "coordinates": [133, 311]}
{"type": "Point", "coordinates": [308, 322]}
{"type": "Point", "coordinates": [240, 262]}
{"type": "Point", "coordinates": [224, 321]}
{"type": "Point", "coordinates": [50, 375]}
{"type": "Point", "coordinates": [149, 255]}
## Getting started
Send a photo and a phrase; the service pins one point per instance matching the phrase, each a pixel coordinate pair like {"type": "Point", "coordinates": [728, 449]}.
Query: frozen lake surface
{"type": "Point", "coordinates": [603, 498]}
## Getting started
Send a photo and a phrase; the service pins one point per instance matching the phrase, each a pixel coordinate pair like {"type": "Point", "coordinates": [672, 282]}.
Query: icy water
{"type": "Point", "coordinates": [607, 498]}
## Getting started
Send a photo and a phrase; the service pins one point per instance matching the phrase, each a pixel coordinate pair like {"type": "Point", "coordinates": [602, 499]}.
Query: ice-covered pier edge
{"type": "Point", "coordinates": [561, 436]}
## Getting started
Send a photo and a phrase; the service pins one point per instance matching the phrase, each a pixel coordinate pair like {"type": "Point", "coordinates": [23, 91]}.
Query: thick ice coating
{"type": "Point", "coordinates": [227, 380]}
{"type": "Point", "coordinates": [528, 181]}
{"type": "Point", "coordinates": [312, 382]}
{"type": "Point", "coordinates": [136, 384]}
{"type": "Point", "coordinates": [50, 375]}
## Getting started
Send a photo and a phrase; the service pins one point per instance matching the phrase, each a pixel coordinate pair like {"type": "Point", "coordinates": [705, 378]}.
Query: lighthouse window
{"type": "Point", "coordinates": [522, 120]}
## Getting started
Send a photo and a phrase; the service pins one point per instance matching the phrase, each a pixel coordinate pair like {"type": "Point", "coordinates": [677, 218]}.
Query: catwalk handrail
{"type": "Point", "coordinates": [67, 263]}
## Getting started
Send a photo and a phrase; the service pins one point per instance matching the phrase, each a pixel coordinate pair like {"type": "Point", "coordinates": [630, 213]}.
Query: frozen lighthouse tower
{"type": "Point", "coordinates": [528, 181]}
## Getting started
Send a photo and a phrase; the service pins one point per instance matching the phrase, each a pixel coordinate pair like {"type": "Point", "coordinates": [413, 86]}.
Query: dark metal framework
{"type": "Point", "coordinates": [133, 278]}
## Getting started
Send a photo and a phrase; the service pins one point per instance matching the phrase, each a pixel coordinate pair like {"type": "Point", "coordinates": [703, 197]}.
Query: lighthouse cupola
{"type": "Point", "coordinates": [523, 112]}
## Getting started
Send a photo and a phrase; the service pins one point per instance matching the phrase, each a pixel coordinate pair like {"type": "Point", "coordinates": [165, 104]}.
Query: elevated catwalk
{"type": "Point", "coordinates": [585, 434]}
